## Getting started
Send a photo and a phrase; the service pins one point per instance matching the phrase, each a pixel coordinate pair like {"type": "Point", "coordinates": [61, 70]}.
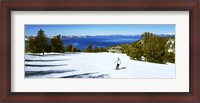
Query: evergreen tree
{"type": "Point", "coordinates": [48, 48]}
{"type": "Point", "coordinates": [40, 42]}
{"type": "Point", "coordinates": [31, 47]}
{"type": "Point", "coordinates": [170, 57]}
{"type": "Point", "coordinates": [103, 50]}
{"type": "Point", "coordinates": [96, 49]}
{"type": "Point", "coordinates": [135, 50]}
{"type": "Point", "coordinates": [89, 48]}
{"type": "Point", "coordinates": [71, 48]}
{"type": "Point", "coordinates": [75, 49]}
{"type": "Point", "coordinates": [153, 48]}
{"type": "Point", "coordinates": [57, 44]}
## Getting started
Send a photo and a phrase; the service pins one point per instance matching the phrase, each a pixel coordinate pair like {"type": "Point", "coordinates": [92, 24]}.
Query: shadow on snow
{"type": "Point", "coordinates": [39, 73]}
{"type": "Point", "coordinates": [86, 75]}
{"type": "Point", "coordinates": [29, 60]}
{"type": "Point", "coordinates": [44, 65]}
{"type": "Point", "coordinates": [99, 76]}
{"type": "Point", "coordinates": [61, 54]}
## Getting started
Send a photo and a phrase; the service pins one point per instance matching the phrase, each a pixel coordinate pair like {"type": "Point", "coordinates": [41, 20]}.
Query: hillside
{"type": "Point", "coordinates": [92, 65]}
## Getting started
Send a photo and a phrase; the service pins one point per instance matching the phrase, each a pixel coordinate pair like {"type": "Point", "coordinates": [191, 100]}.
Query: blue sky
{"type": "Point", "coordinates": [99, 29]}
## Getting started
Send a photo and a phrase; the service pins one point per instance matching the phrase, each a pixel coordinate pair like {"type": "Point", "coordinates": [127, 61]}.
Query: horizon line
{"type": "Point", "coordinates": [102, 34]}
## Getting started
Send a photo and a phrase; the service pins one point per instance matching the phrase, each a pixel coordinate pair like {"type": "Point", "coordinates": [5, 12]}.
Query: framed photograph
{"type": "Point", "coordinates": [140, 51]}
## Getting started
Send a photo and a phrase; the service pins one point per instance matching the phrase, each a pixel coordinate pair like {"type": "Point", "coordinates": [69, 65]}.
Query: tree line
{"type": "Point", "coordinates": [152, 47]}
{"type": "Point", "coordinates": [39, 44]}
{"type": "Point", "coordinates": [95, 50]}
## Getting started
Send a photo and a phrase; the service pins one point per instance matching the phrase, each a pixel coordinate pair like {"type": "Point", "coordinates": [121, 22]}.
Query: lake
{"type": "Point", "coordinates": [99, 41]}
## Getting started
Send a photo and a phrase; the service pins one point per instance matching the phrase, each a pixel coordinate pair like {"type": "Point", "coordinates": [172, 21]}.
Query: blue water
{"type": "Point", "coordinates": [99, 41]}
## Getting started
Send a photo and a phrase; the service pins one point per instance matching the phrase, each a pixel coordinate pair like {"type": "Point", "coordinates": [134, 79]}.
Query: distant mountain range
{"type": "Point", "coordinates": [118, 35]}
{"type": "Point", "coordinates": [86, 36]}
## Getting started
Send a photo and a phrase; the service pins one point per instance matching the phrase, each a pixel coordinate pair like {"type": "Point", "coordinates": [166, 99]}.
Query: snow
{"type": "Point", "coordinates": [92, 65]}
{"type": "Point", "coordinates": [166, 33]}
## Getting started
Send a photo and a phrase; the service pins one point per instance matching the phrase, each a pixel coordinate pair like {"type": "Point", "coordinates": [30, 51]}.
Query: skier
{"type": "Point", "coordinates": [118, 63]}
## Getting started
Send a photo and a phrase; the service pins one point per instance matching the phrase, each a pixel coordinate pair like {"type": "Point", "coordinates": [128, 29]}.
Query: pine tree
{"type": "Point", "coordinates": [75, 49]}
{"type": "Point", "coordinates": [153, 48]}
{"type": "Point", "coordinates": [31, 47]}
{"type": "Point", "coordinates": [40, 42]}
{"type": "Point", "coordinates": [135, 50]}
{"type": "Point", "coordinates": [103, 50]}
{"type": "Point", "coordinates": [89, 48]}
{"type": "Point", "coordinates": [57, 44]}
{"type": "Point", "coordinates": [96, 49]}
{"type": "Point", "coordinates": [69, 48]}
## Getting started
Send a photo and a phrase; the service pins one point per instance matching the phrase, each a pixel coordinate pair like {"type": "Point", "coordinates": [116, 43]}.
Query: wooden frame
{"type": "Point", "coordinates": [99, 5]}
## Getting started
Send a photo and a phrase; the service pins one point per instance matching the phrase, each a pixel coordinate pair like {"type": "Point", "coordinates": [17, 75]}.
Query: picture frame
{"type": "Point", "coordinates": [96, 5]}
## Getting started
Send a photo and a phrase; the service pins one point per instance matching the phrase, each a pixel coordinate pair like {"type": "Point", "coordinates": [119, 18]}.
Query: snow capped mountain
{"type": "Point", "coordinates": [103, 35]}
{"type": "Point", "coordinates": [86, 36]}
{"type": "Point", "coordinates": [166, 34]}
{"type": "Point", "coordinates": [74, 36]}
{"type": "Point", "coordinates": [135, 35]}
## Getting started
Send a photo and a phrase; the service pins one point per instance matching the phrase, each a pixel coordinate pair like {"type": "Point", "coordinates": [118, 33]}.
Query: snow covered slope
{"type": "Point", "coordinates": [92, 65]}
